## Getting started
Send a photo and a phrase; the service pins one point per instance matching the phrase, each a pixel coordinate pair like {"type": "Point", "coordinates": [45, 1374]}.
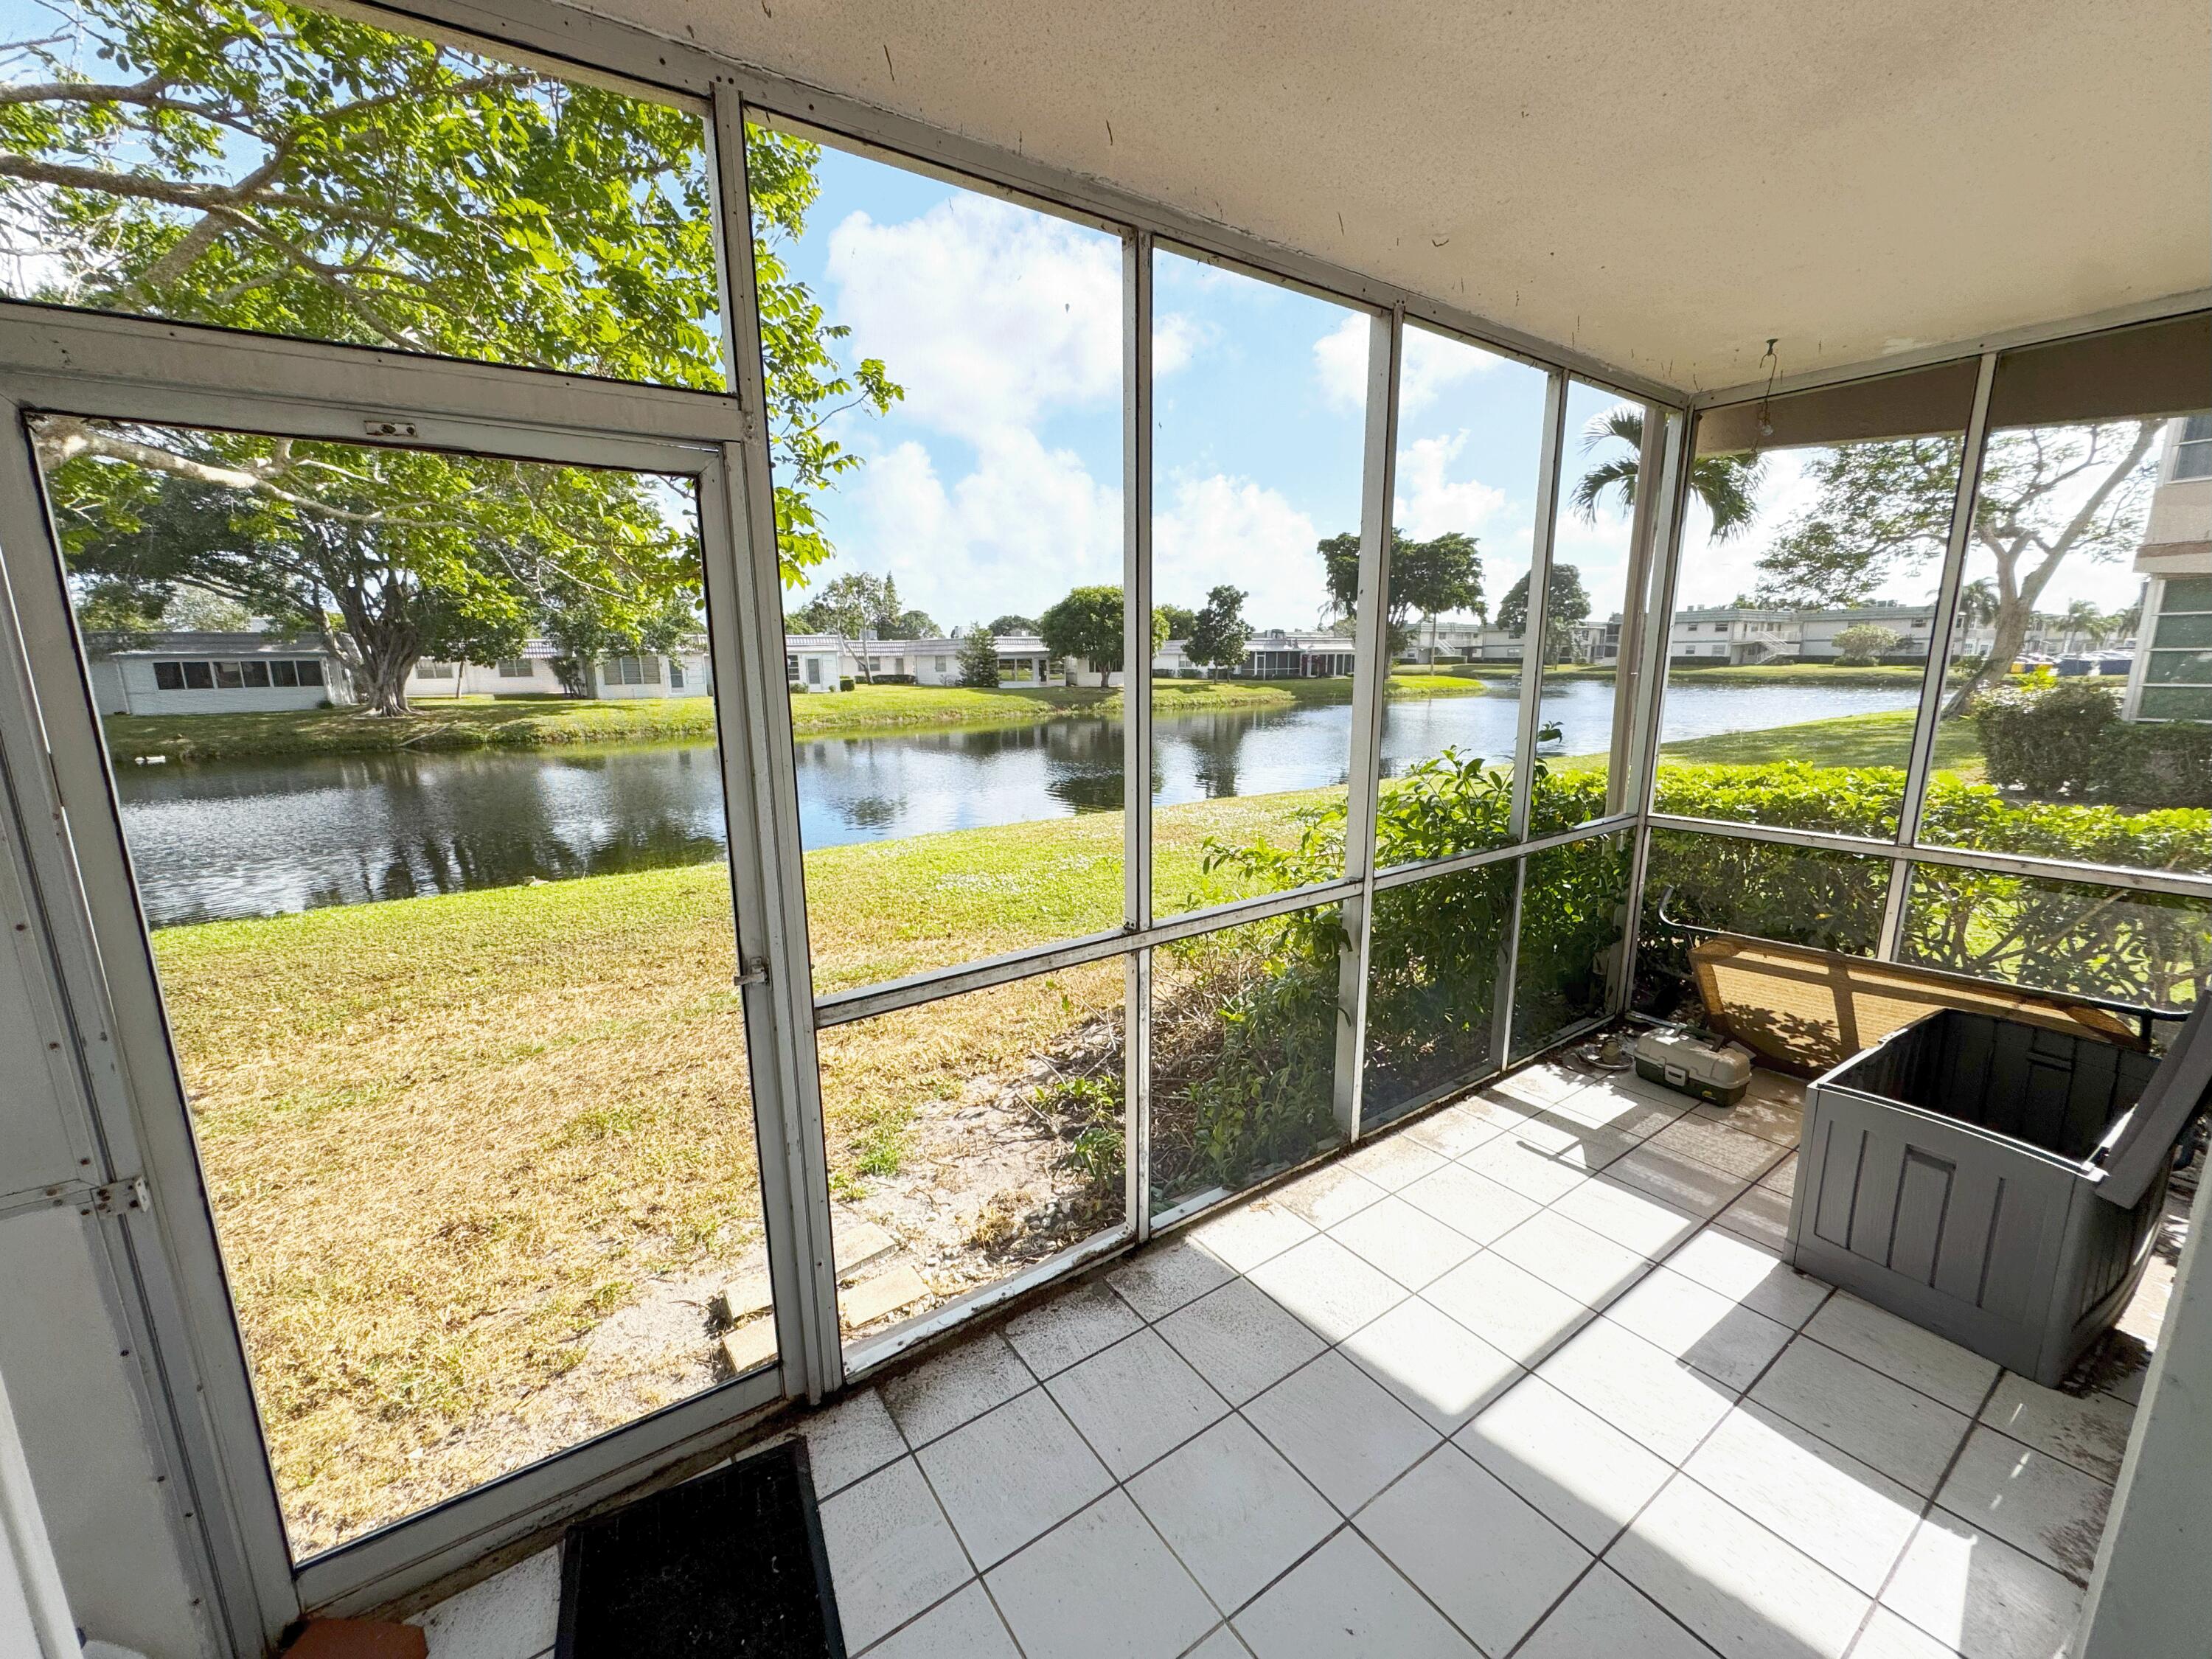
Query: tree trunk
{"type": "Point", "coordinates": [379, 652]}
{"type": "Point", "coordinates": [2010, 636]}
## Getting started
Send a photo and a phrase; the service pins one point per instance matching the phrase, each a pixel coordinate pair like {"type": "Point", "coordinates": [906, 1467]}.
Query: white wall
{"type": "Point", "coordinates": [2148, 1598]}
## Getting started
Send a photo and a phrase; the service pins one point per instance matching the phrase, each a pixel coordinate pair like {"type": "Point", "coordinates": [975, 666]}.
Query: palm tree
{"type": "Point", "coordinates": [1977, 603]}
{"type": "Point", "coordinates": [1727, 484]}
{"type": "Point", "coordinates": [2083, 617]}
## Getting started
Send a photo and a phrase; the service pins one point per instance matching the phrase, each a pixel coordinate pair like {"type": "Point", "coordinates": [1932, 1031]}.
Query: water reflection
{"type": "Point", "coordinates": [244, 838]}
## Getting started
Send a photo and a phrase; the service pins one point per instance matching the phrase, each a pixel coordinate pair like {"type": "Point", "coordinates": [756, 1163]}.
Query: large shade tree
{"type": "Point", "coordinates": [1087, 625]}
{"type": "Point", "coordinates": [273, 169]}
{"type": "Point", "coordinates": [2048, 496]}
{"type": "Point", "coordinates": [1429, 577]}
{"type": "Point", "coordinates": [1219, 633]}
{"type": "Point", "coordinates": [1567, 608]}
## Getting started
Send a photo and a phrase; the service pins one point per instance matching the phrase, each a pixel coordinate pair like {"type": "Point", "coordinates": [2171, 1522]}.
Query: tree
{"type": "Point", "coordinates": [1865, 643]}
{"type": "Point", "coordinates": [1727, 484]}
{"type": "Point", "coordinates": [859, 605]}
{"type": "Point", "coordinates": [1428, 578]}
{"type": "Point", "coordinates": [1219, 633]}
{"type": "Point", "coordinates": [1566, 606]}
{"type": "Point", "coordinates": [1011, 623]}
{"type": "Point", "coordinates": [391, 555]}
{"type": "Point", "coordinates": [979, 658]}
{"type": "Point", "coordinates": [2047, 494]}
{"type": "Point", "coordinates": [1087, 625]}
{"type": "Point", "coordinates": [1880, 506]}
{"type": "Point", "coordinates": [275, 169]}
{"type": "Point", "coordinates": [1180, 620]}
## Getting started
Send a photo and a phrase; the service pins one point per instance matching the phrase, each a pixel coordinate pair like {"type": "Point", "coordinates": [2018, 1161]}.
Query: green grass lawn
{"type": "Point", "coordinates": [552, 722]}
{"type": "Point", "coordinates": [1884, 738]}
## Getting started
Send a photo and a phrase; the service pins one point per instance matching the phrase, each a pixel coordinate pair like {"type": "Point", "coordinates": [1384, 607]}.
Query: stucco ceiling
{"type": "Point", "coordinates": [1663, 184]}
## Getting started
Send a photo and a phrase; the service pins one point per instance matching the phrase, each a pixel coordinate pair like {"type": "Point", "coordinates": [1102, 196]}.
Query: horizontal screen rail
{"type": "Point", "coordinates": [1400, 875]}
{"type": "Point", "coordinates": [2175, 883]}
{"type": "Point", "coordinates": [843, 1007]}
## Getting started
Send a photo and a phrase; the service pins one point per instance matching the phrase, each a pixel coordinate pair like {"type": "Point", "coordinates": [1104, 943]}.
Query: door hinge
{"type": "Point", "coordinates": [116, 1197]}
{"type": "Point", "coordinates": [754, 971]}
{"type": "Point", "coordinates": [113, 1199]}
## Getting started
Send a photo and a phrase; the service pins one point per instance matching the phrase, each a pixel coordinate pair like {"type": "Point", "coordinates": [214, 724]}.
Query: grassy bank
{"type": "Point", "coordinates": [436, 723]}
{"type": "Point", "coordinates": [1883, 738]}
{"type": "Point", "coordinates": [454, 1144]}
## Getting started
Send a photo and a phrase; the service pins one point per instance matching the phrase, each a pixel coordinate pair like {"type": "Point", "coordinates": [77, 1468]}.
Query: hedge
{"type": "Point", "coordinates": [1245, 1040]}
{"type": "Point", "coordinates": [2051, 736]}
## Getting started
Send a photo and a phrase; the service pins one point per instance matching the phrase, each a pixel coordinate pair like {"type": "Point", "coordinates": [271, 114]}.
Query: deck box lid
{"type": "Point", "coordinates": [2144, 1140]}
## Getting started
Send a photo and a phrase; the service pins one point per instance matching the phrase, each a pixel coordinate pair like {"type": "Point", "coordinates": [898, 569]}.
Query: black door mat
{"type": "Point", "coordinates": [728, 1566]}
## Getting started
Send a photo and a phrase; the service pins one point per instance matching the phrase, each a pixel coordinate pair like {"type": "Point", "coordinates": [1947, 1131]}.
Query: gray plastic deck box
{"type": "Point", "coordinates": [1995, 1182]}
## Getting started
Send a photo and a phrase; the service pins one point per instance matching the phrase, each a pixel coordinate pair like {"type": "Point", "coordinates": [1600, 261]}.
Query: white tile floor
{"type": "Point", "coordinates": [1525, 1378]}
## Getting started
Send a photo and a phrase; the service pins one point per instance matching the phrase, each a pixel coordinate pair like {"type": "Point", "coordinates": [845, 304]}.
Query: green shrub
{"type": "Point", "coordinates": [1245, 1050]}
{"type": "Point", "coordinates": [2077, 936]}
{"type": "Point", "coordinates": [2052, 737]}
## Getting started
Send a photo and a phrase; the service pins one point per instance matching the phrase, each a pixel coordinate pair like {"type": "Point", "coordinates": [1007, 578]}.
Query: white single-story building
{"type": "Point", "coordinates": [1023, 660]}
{"type": "Point", "coordinates": [214, 673]}
{"type": "Point", "coordinates": [686, 673]}
{"type": "Point", "coordinates": [812, 662]}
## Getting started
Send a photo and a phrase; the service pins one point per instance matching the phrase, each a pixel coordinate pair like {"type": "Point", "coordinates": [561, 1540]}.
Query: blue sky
{"type": "Point", "coordinates": [996, 485]}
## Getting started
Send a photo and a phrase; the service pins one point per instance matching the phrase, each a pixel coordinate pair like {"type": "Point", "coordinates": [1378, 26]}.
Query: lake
{"type": "Point", "coordinates": [228, 839]}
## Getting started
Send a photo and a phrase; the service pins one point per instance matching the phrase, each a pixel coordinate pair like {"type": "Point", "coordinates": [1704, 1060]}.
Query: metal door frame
{"type": "Point", "coordinates": [57, 768]}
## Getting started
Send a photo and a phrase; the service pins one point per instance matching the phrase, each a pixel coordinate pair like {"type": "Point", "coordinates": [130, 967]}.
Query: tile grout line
{"type": "Point", "coordinates": [1598, 1557]}
{"type": "Point", "coordinates": [1347, 1522]}
{"type": "Point", "coordinates": [1678, 1469]}
{"type": "Point", "coordinates": [914, 1453]}
{"type": "Point", "coordinates": [1926, 1510]}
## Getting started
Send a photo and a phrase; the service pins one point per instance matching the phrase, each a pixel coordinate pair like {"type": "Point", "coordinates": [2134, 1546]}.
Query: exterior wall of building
{"type": "Point", "coordinates": [682, 675]}
{"type": "Point", "coordinates": [479, 680]}
{"type": "Point", "coordinates": [813, 662]}
{"type": "Point", "coordinates": [1912, 625]}
{"type": "Point", "coordinates": [2170, 678]}
{"type": "Point", "coordinates": [215, 674]}
{"type": "Point", "coordinates": [1022, 661]}
{"type": "Point", "coordinates": [1726, 634]}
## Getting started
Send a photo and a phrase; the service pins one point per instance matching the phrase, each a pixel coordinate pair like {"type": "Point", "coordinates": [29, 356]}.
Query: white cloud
{"type": "Point", "coordinates": [1178, 337]}
{"type": "Point", "coordinates": [1220, 529]}
{"type": "Point", "coordinates": [1429, 501]}
{"type": "Point", "coordinates": [988, 314]}
{"type": "Point", "coordinates": [1341, 360]}
{"type": "Point", "coordinates": [1432, 365]}
{"type": "Point", "coordinates": [1012, 535]}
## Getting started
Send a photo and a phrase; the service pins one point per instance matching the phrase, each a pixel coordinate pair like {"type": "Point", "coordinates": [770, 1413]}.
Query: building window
{"type": "Point", "coordinates": [941, 664]}
{"type": "Point", "coordinates": [814, 671]}
{"type": "Point", "coordinates": [198, 677]}
{"type": "Point", "coordinates": [257, 674]}
{"type": "Point", "coordinates": [227, 677]}
{"type": "Point", "coordinates": [514, 668]}
{"type": "Point", "coordinates": [284, 673]}
{"type": "Point", "coordinates": [2192, 455]}
{"type": "Point", "coordinates": [169, 676]}
{"type": "Point", "coordinates": [436, 671]}
{"type": "Point", "coordinates": [631, 671]}
{"type": "Point", "coordinates": [311, 673]}
{"type": "Point", "coordinates": [674, 675]}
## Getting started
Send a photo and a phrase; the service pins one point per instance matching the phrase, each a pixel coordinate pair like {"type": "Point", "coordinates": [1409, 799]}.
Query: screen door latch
{"type": "Point", "coordinates": [753, 971]}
